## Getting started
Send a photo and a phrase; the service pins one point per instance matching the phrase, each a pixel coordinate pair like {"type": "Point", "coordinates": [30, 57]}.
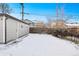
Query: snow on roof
{"type": "Point", "coordinates": [71, 25]}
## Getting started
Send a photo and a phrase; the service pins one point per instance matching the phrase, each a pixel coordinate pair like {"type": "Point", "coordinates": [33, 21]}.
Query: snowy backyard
{"type": "Point", "coordinates": [39, 45]}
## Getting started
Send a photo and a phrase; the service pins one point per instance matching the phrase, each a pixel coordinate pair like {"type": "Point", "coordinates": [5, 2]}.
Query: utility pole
{"type": "Point", "coordinates": [57, 11]}
{"type": "Point", "coordinates": [22, 10]}
{"type": "Point", "coordinates": [57, 14]}
{"type": "Point", "coordinates": [62, 10]}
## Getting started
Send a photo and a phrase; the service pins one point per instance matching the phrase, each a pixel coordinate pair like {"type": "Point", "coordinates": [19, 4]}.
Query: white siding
{"type": "Point", "coordinates": [23, 29]}
{"type": "Point", "coordinates": [1, 29]}
{"type": "Point", "coordinates": [13, 29]}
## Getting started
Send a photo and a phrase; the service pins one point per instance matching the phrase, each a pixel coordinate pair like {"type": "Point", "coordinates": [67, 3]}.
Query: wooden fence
{"type": "Point", "coordinates": [69, 33]}
{"type": "Point", "coordinates": [63, 32]}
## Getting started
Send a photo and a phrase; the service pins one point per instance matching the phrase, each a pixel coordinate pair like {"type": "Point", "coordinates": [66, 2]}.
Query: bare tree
{"type": "Point", "coordinates": [4, 8]}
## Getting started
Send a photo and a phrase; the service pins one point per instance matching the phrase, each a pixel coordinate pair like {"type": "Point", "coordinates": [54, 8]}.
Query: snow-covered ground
{"type": "Point", "coordinates": [39, 45]}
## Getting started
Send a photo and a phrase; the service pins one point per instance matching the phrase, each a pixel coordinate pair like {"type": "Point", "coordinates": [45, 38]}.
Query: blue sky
{"type": "Point", "coordinates": [39, 11]}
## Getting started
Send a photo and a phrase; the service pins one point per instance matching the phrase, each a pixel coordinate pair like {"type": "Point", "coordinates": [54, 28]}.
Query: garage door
{"type": "Point", "coordinates": [11, 30]}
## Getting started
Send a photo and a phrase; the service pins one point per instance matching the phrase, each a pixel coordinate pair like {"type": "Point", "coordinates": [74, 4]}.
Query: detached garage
{"type": "Point", "coordinates": [12, 28]}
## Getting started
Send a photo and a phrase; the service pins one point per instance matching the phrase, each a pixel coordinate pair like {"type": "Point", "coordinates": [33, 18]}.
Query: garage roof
{"type": "Point", "coordinates": [14, 18]}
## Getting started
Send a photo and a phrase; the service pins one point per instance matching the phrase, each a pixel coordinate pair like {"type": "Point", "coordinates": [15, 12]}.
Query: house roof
{"type": "Point", "coordinates": [14, 18]}
{"type": "Point", "coordinates": [72, 25]}
{"type": "Point", "coordinates": [29, 21]}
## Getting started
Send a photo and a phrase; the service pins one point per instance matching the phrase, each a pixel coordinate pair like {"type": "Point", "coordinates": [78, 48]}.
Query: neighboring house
{"type": "Point", "coordinates": [73, 28]}
{"type": "Point", "coordinates": [69, 25]}
{"type": "Point", "coordinates": [11, 28]}
{"type": "Point", "coordinates": [39, 24]}
{"type": "Point", "coordinates": [31, 24]}
{"type": "Point", "coordinates": [59, 24]}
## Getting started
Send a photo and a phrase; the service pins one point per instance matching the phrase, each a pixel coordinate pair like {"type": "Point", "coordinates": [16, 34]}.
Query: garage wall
{"type": "Point", "coordinates": [23, 29]}
{"type": "Point", "coordinates": [15, 29]}
{"type": "Point", "coordinates": [1, 29]}
{"type": "Point", "coordinates": [11, 29]}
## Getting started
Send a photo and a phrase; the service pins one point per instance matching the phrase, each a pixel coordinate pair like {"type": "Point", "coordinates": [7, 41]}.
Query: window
{"type": "Point", "coordinates": [1, 19]}
{"type": "Point", "coordinates": [21, 26]}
